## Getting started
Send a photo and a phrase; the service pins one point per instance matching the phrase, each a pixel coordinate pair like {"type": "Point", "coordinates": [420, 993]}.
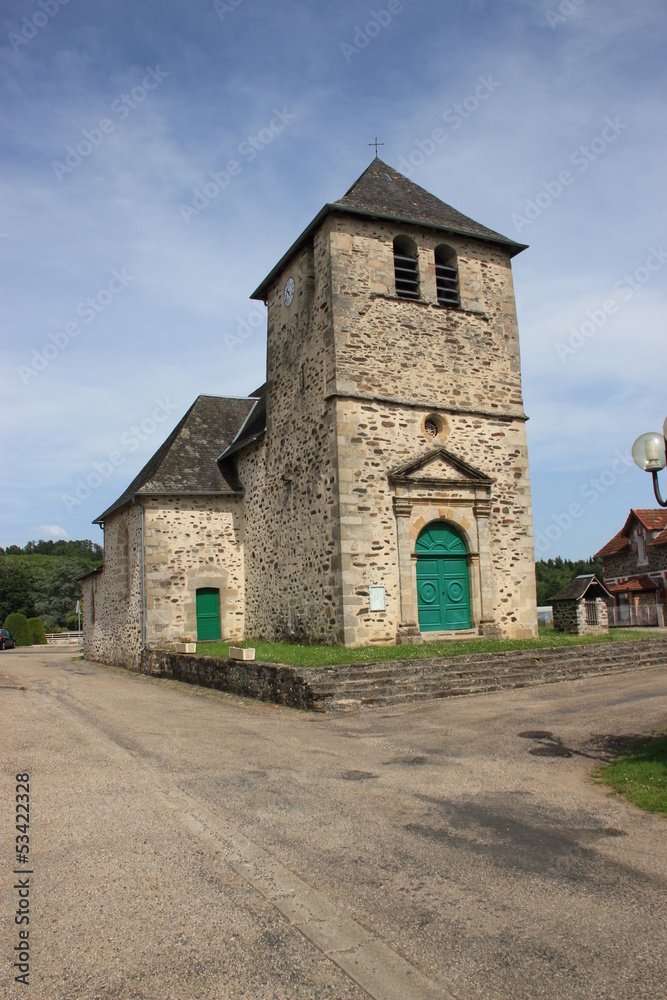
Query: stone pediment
{"type": "Point", "coordinates": [439, 468]}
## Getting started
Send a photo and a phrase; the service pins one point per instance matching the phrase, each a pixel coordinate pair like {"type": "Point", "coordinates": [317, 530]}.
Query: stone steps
{"type": "Point", "coordinates": [352, 686]}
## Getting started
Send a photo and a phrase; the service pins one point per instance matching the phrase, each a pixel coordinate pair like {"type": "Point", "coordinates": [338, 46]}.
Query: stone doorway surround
{"type": "Point", "coordinates": [439, 486]}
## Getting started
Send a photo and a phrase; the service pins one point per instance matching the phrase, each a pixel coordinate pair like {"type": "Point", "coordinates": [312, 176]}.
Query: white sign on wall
{"type": "Point", "coordinates": [377, 598]}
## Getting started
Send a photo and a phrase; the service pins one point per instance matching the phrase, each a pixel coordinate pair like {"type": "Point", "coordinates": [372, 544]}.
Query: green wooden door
{"type": "Point", "coordinates": [443, 592]}
{"type": "Point", "coordinates": [208, 614]}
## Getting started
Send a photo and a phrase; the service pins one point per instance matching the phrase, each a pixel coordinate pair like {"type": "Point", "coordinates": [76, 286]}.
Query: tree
{"type": "Point", "coordinates": [553, 575]}
{"type": "Point", "coordinates": [37, 633]}
{"type": "Point", "coordinates": [18, 626]}
{"type": "Point", "coordinates": [60, 590]}
{"type": "Point", "coordinates": [17, 584]}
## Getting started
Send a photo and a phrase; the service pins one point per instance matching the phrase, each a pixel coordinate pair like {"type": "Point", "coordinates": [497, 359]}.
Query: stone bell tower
{"type": "Point", "coordinates": [394, 503]}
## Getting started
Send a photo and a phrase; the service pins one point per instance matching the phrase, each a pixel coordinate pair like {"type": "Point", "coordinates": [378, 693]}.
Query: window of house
{"type": "Point", "coordinates": [641, 547]}
{"type": "Point", "coordinates": [406, 268]}
{"type": "Point", "coordinates": [447, 277]}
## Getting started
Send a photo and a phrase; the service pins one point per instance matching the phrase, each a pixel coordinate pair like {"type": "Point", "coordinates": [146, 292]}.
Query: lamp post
{"type": "Point", "coordinates": [649, 452]}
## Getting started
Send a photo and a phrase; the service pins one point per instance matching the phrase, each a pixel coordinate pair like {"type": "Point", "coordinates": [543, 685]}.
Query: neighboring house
{"type": "Point", "coordinates": [581, 607]}
{"type": "Point", "coordinates": [635, 569]}
{"type": "Point", "coordinates": [376, 489]}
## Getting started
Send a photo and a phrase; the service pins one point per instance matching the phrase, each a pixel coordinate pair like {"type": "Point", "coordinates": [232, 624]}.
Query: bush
{"type": "Point", "coordinates": [37, 634]}
{"type": "Point", "coordinates": [18, 626]}
{"type": "Point", "coordinates": [72, 622]}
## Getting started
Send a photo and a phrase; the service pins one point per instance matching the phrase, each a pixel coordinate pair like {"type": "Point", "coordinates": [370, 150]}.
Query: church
{"type": "Point", "coordinates": [375, 488]}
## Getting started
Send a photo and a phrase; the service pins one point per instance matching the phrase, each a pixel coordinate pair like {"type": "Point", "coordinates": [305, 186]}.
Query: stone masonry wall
{"type": "Point", "coordinates": [397, 348]}
{"type": "Point", "coordinates": [376, 438]}
{"type": "Point", "coordinates": [352, 372]}
{"type": "Point", "coordinates": [398, 361]}
{"type": "Point", "coordinates": [112, 597]}
{"type": "Point", "coordinates": [570, 616]}
{"type": "Point", "coordinates": [291, 536]}
{"type": "Point", "coordinates": [192, 542]}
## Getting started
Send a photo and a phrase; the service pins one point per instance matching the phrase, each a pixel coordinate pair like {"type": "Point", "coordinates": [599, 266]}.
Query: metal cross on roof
{"type": "Point", "coordinates": [376, 144]}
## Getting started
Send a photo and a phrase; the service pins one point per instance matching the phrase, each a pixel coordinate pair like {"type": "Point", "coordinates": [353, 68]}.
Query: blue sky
{"type": "Point", "coordinates": [126, 292]}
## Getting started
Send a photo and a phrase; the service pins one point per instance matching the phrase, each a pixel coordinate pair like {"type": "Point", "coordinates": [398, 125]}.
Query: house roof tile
{"type": "Point", "coordinates": [651, 519]}
{"type": "Point", "coordinates": [660, 539]}
{"type": "Point", "coordinates": [637, 583]}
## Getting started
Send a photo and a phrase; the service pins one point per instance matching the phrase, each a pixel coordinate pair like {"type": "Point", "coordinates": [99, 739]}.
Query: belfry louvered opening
{"type": "Point", "coordinates": [447, 277]}
{"type": "Point", "coordinates": [406, 268]}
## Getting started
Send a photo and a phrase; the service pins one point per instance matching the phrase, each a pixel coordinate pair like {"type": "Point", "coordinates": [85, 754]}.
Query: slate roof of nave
{"type": "Point", "coordinates": [383, 193]}
{"type": "Point", "coordinates": [252, 429]}
{"type": "Point", "coordinates": [186, 463]}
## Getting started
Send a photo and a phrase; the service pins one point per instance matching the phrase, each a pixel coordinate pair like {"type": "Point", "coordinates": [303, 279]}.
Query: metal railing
{"type": "Point", "coordinates": [645, 616]}
{"type": "Point", "coordinates": [63, 638]}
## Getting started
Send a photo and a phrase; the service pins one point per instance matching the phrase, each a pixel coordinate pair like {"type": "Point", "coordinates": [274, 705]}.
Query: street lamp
{"type": "Point", "coordinates": [650, 453]}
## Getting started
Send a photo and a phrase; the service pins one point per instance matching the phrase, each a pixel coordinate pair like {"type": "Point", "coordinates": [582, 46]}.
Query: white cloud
{"type": "Point", "coordinates": [47, 531]}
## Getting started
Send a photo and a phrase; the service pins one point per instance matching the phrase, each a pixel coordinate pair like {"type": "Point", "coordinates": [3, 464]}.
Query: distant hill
{"type": "Point", "coordinates": [41, 578]}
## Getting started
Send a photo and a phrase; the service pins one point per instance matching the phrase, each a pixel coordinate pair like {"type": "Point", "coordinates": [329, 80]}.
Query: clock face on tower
{"type": "Point", "coordinates": [288, 294]}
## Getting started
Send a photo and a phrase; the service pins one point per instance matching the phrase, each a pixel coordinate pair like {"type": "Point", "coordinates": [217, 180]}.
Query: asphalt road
{"type": "Point", "coordinates": [187, 845]}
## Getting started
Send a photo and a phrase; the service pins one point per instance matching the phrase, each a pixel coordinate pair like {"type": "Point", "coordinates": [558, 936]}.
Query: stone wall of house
{"type": "Point", "coordinates": [191, 543]}
{"type": "Point", "coordinates": [626, 564]}
{"type": "Point", "coordinates": [570, 616]}
{"type": "Point", "coordinates": [112, 628]}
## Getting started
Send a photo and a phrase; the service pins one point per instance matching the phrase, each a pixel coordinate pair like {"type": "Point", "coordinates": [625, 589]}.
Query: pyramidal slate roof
{"type": "Point", "coordinates": [187, 461]}
{"type": "Point", "coordinates": [383, 193]}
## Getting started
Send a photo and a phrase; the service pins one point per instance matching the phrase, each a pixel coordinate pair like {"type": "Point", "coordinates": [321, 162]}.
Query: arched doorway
{"type": "Point", "coordinates": [443, 590]}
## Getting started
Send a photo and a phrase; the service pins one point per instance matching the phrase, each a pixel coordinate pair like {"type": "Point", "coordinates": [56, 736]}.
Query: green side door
{"type": "Point", "coordinates": [208, 614]}
{"type": "Point", "coordinates": [443, 591]}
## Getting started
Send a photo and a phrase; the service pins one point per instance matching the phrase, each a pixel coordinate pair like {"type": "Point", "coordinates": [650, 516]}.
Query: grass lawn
{"type": "Point", "coordinates": [641, 776]}
{"type": "Point", "coordinates": [320, 656]}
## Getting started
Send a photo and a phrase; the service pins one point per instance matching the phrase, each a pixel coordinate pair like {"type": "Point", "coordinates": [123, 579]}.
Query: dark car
{"type": "Point", "coordinates": [7, 640]}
